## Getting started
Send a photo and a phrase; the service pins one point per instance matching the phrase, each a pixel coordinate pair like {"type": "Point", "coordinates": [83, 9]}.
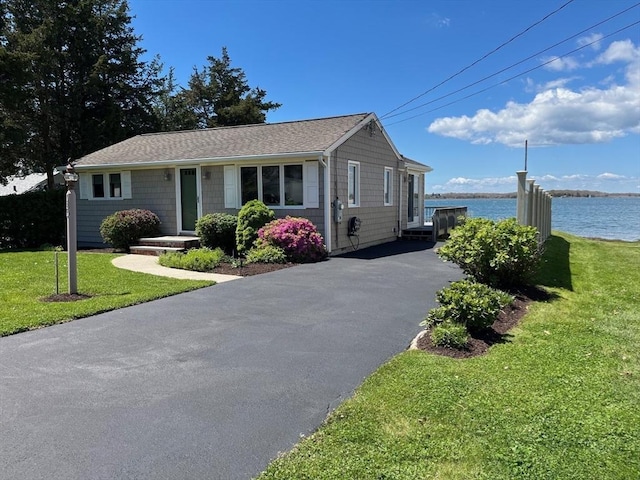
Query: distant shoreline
{"type": "Point", "coordinates": [553, 193]}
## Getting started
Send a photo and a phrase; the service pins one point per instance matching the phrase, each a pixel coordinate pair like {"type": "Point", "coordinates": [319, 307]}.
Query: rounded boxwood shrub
{"type": "Point", "coordinates": [298, 237]}
{"type": "Point", "coordinates": [252, 216]}
{"type": "Point", "coordinates": [218, 230]}
{"type": "Point", "coordinates": [502, 254]}
{"type": "Point", "coordinates": [122, 229]}
{"type": "Point", "coordinates": [473, 305]}
{"type": "Point", "coordinates": [450, 335]}
{"type": "Point", "coordinates": [266, 254]}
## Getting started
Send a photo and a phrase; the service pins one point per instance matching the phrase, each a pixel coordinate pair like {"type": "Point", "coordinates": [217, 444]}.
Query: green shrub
{"type": "Point", "coordinates": [32, 219]}
{"type": "Point", "coordinates": [122, 229]}
{"type": "Point", "coordinates": [266, 254]}
{"type": "Point", "coordinates": [196, 259]}
{"type": "Point", "coordinates": [449, 334]}
{"type": "Point", "coordinates": [218, 230]}
{"type": "Point", "coordinates": [502, 254]}
{"type": "Point", "coordinates": [474, 305]}
{"type": "Point", "coordinates": [251, 217]}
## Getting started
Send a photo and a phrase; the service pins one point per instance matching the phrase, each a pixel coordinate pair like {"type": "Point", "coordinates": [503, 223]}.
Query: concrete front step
{"type": "Point", "coordinates": [171, 241]}
{"type": "Point", "coordinates": [168, 243]}
{"type": "Point", "coordinates": [153, 250]}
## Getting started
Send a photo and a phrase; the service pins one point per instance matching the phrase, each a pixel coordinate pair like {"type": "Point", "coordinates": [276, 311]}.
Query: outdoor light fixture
{"type": "Point", "coordinates": [206, 174]}
{"type": "Point", "coordinates": [167, 175]}
{"type": "Point", "coordinates": [70, 175]}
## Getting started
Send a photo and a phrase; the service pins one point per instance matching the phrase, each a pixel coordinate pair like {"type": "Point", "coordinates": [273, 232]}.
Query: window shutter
{"type": "Point", "coordinates": [85, 185]}
{"type": "Point", "coordinates": [312, 185]}
{"type": "Point", "coordinates": [125, 179]}
{"type": "Point", "coordinates": [230, 186]}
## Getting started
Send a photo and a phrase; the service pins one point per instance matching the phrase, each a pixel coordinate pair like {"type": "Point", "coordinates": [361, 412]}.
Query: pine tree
{"type": "Point", "coordinates": [72, 81]}
{"type": "Point", "coordinates": [217, 95]}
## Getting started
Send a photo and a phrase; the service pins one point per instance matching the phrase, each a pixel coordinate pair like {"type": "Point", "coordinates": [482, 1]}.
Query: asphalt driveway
{"type": "Point", "coordinates": [212, 383]}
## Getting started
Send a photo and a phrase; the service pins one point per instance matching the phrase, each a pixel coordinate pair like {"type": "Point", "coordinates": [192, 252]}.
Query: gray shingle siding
{"type": "Point", "coordinates": [149, 190]}
{"type": "Point", "coordinates": [373, 153]}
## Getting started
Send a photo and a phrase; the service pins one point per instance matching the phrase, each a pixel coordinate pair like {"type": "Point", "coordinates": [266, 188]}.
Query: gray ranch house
{"type": "Point", "coordinates": [330, 170]}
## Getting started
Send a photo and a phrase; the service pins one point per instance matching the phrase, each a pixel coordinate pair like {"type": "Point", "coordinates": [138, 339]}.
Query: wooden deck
{"type": "Point", "coordinates": [438, 225]}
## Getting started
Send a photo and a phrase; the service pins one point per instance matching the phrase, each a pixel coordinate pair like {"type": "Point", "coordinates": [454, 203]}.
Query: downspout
{"type": "Point", "coordinates": [327, 199]}
{"type": "Point", "coordinates": [400, 182]}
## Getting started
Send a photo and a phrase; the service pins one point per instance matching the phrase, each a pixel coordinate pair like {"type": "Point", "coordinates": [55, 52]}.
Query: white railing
{"type": "Point", "coordinates": [443, 219]}
{"type": "Point", "coordinates": [533, 206]}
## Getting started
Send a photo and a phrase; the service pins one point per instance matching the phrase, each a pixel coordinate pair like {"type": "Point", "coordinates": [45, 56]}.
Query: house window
{"type": "Point", "coordinates": [353, 190]}
{"type": "Point", "coordinates": [98, 185]}
{"type": "Point", "coordinates": [249, 183]}
{"type": "Point", "coordinates": [105, 186]}
{"type": "Point", "coordinates": [388, 186]}
{"type": "Point", "coordinates": [271, 185]}
{"type": "Point", "coordinates": [115, 185]}
{"type": "Point", "coordinates": [275, 185]}
{"type": "Point", "coordinates": [293, 186]}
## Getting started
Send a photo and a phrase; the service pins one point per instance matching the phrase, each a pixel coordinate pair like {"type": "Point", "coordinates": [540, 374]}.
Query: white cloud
{"type": "Point", "coordinates": [559, 115]}
{"type": "Point", "coordinates": [593, 39]}
{"type": "Point", "coordinates": [558, 64]}
{"type": "Point", "coordinates": [438, 21]}
{"type": "Point", "coordinates": [610, 176]}
{"type": "Point", "coordinates": [607, 182]}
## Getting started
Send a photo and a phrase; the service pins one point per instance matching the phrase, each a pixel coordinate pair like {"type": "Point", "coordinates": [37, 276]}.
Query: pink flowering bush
{"type": "Point", "coordinates": [298, 237]}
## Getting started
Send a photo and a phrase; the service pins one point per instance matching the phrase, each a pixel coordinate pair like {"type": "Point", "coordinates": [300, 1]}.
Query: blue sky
{"type": "Point", "coordinates": [580, 112]}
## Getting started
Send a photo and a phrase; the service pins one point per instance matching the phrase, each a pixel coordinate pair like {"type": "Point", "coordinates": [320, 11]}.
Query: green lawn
{"type": "Point", "coordinates": [27, 277]}
{"type": "Point", "coordinates": [560, 400]}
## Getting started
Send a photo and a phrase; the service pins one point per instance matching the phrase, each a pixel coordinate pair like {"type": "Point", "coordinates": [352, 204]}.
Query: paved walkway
{"type": "Point", "coordinates": [149, 264]}
{"type": "Point", "coordinates": [212, 383]}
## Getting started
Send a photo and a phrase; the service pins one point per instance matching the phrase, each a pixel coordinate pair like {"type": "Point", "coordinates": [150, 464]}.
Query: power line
{"type": "Point", "coordinates": [512, 65]}
{"type": "Point", "coordinates": [515, 76]}
{"type": "Point", "coordinates": [480, 59]}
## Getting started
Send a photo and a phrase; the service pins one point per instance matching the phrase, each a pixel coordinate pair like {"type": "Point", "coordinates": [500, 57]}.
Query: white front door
{"type": "Point", "coordinates": [413, 201]}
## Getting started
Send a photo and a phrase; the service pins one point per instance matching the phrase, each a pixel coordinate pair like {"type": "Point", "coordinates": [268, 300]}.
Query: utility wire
{"type": "Point", "coordinates": [480, 59]}
{"type": "Point", "coordinates": [513, 65]}
{"type": "Point", "coordinates": [515, 76]}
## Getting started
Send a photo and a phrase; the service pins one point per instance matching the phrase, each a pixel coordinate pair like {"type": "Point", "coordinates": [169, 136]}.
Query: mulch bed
{"type": "Point", "coordinates": [251, 268]}
{"type": "Point", "coordinates": [65, 297]}
{"type": "Point", "coordinates": [480, 342]}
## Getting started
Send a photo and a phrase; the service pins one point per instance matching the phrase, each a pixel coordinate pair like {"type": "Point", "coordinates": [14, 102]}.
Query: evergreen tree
{"type": "Point", "coordinates": [216, 96]}
{"type": "Point", "coordinates": [71, 81]}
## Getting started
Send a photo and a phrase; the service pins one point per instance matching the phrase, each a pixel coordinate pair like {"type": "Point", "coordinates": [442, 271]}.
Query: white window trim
{"type": "Point", "coordinates": [356, 200]}
{"type": "Point", "coordinates": [388, 187]}
{"type": "Point", "coordinates": [281, 166]}
{"type": "Point", "coordinates": [86, 186]}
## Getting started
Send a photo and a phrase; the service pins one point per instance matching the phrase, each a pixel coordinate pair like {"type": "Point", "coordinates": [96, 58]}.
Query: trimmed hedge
{"type": "Point", "coordinates": [33, 219]}
{"type": "Point", "coordinates": [218, 230]}
{"type": "Point", "coordinates": [502, 254]}
{"type": "Point", "coordinates": [122, 229]}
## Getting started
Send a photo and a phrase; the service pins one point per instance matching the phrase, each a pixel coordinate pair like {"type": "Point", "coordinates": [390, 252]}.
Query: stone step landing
{"type": "Point", "coordinates": [168, 243]}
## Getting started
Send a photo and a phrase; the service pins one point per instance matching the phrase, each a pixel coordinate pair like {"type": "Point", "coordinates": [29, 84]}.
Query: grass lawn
{"type": "Point", "coordinates": [560, 400]}
{"type": "Point", "coordinates": [27, 277]}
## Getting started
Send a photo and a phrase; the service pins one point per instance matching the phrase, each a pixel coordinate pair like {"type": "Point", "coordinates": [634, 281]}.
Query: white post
{"type": "Point", "coordinates": [71, 178]}
{"type": "Point", "coordinates": [521, 203]}
{"type": "Point", "coordinates": [530, 205]}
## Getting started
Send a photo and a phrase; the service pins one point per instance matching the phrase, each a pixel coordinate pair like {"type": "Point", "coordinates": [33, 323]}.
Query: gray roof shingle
{"type": "Point", "coordinates": [314, 135]}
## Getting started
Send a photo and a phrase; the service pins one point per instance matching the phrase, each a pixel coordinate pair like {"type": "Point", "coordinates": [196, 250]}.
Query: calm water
{"type": "Point", "coordinates": [606, 217]}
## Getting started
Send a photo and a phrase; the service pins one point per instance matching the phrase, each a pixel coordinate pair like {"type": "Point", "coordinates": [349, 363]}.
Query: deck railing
{"type": "Point", "coordinates": [443, 219]}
